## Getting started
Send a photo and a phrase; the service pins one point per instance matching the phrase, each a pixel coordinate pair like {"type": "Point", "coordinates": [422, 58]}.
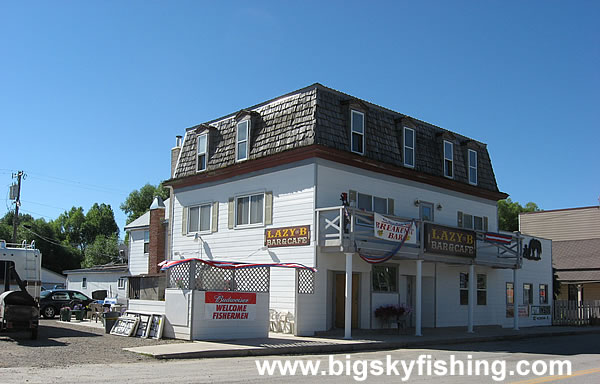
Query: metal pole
{"type": "Point", "coordinates": [17, 204]}
{"type": "Point", "coordinates": [418, 298]}
{"type": "Point", "coordinates": [472, 279]}
{"type": "Point", "coordinates": [348, 305]}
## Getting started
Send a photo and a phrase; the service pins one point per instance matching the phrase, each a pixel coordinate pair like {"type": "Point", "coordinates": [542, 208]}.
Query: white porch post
{"type": "Point", "coordinates": [472, 279]}
{"type": "Point", "coordinates": [516, 300]}
{"type": "Point", "coordinates": [418, 298]}
{"type": "Point", "coordinates": [348, 305]}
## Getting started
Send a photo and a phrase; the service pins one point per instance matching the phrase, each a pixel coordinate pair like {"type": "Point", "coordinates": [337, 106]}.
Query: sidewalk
{"type": "Point", "coordinates": [333, 342]}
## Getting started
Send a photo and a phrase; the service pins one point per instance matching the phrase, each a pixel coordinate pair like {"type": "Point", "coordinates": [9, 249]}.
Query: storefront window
{"type": "Point", "coordinates": [510, 293]}
{"type": "Point", "coordinates": [543, 293]}
{"type": "Point", "coordinates": [527, 294]}
{"type": "Point", "coordinates": [481, 289]}
{"type": "Point", "coordinates": [384, 278]}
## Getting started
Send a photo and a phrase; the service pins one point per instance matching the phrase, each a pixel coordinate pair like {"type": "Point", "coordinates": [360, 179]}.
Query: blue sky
{"type": "Point", "coordinates": [93, 93]}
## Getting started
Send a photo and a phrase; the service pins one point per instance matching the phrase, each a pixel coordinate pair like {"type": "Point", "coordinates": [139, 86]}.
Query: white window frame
{"type": "Point", "coordinates": [472, 170]}
{"type": "Point", "coordinates": [235, 209]}
{"type": "Point", "coordinates": [247, 140]}
{"type": "Point", "coordinates": [352, 131]}
{"type": "Point", "coordinates": [146, 242]}
{"type": "Point", "coordinates": [191, 232]}
{"type": "Point", "coordinates": [121, 283]}
{"type": "Point", "coordinates": [412, 148]}
{"type": "Point", "coordinates": [201, 152]}
{"type": "Point", "coordinates": [450, 159]}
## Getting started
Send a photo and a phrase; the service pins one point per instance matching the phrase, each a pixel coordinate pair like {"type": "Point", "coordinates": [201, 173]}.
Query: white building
{"type": "Point", "coordinates": [111, 278]}
{"type": "Point", "coordinates": [284, 163]}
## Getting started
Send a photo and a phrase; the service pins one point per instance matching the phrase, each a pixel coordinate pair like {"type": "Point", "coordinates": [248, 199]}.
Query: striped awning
{"type": "Point", "coordinates": [234, 264]}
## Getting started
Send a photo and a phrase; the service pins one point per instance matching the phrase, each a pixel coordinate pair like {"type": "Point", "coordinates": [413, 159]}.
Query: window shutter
{"type": "Point", "coordinates": [184, 219]}
{"type": "Point", "coordinates": [268, 208]}
{"type": "Point", "coordinates": [230, 213]}
{"type": "Point", "coordinates": [460, 219]}
{"type": "Point", "coordinates": [352, 198]}
{"type": "Point", "coordinates": [485, 223]}
{"type": "Point", "coordinates": [215, 217]}
{"type": "Point", "coordinates": [390, 206]}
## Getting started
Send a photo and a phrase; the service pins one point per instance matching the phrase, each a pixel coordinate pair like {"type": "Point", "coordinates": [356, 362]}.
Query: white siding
{"type": "Point", "coordinates": [293, 204]}
{"type": "Point", "coordinates": [99, 281]}
{"type": "Point", "coordinates": [138, 260]}
{"type": "Point", "coordinates": [334, 179]}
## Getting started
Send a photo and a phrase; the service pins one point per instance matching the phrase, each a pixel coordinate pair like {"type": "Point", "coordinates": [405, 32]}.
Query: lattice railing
{"type": "Point", "coordinates": [306, 281]}
{"type": "Point", "coordinates": [202, 277]}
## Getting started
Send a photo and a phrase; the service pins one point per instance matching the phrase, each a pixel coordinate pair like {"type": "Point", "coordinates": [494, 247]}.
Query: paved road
{"type": "Point", "coordinates": [582, 351]}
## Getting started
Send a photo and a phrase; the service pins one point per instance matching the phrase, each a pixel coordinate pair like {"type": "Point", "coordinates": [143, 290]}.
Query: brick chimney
{"type": "Point", "coordinates": [175, 154]}
{"type": "Point", "coordinates": [156, 251]}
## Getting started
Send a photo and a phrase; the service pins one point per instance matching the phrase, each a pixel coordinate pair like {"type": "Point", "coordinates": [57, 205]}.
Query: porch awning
{"type": "Point", "coordinates": [234, 264]}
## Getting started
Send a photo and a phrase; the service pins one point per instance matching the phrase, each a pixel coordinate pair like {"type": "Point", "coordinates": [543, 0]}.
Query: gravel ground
{"type": "Point", "coordinates": [65, 344]}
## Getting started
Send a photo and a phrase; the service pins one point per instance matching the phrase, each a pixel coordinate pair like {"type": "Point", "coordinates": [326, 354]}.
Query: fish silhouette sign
{"type": "Point", "coordinates": [533, 251]}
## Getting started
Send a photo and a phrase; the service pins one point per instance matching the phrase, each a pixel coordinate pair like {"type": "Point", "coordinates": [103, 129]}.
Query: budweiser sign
{"type": "Point", "coordinates": [229, 306]}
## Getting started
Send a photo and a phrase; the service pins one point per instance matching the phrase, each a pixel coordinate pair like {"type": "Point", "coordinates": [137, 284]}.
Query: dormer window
{"type": "Point", "coordinates": [448, 159]}
{"type": "Point", "coordinates": [409, 147]}
{"type": "Point", "coordinates": [202, 152]}
{"type": "Point", "coordinates": [472, 167]}
{"type": "Point", "coordinates": [358, 132]}
{"type": "Point", "coordinates": [242, 137]}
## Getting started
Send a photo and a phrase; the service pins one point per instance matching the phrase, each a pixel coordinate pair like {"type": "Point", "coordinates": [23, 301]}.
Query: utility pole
{"type": "Point", "coordinates": [18, 175]}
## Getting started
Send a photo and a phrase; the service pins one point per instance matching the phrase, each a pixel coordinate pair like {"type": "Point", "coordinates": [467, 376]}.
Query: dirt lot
{"type": "Point", "coordinates": [65, 344]}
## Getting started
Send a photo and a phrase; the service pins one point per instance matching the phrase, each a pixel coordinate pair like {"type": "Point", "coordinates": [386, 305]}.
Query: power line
{"type": "Point", "coordinates": [60, 180]}
{"type": "Point", "coordinates": [46, 239]}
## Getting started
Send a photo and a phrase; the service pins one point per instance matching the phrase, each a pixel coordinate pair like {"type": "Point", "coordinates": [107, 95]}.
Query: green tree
{"type": "Point", "coordinates": [508, 213]}
{"type": "Point", "coordinates": [139, 201]}
{"type": "Point", "coordinates": [104, 250]}
{"type": "Point", "coordinates": [99, 220]}
{"type": "Point", "coordinates": [69, 226]}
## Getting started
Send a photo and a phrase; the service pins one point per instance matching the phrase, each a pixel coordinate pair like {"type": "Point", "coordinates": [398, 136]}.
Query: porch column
{"type": "Point", "coordinates": [418, 298]}
{"type": "Point", "coordinates": [472, 279]}
{"type": "Point", "coordinates": [348, 305]}
{"type": "Point", "coordinates": [516, 300]}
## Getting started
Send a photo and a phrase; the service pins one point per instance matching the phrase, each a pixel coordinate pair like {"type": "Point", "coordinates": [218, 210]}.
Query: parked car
{"type": "Point", "coordinates": [52, 301]}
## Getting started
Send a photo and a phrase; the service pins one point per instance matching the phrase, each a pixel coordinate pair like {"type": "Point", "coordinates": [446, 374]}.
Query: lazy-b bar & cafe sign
{"type": "Point", "coordinates": [449, 241]}
{"type": "Point", "coordinates": [287, 236]}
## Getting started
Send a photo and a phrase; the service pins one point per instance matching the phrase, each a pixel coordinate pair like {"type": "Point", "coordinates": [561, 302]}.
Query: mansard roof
{"type": "Point", "coordinates": [318, 117]}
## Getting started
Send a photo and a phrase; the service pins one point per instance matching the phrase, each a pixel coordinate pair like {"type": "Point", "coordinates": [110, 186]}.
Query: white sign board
{"type": "Point", "coordinates": [392, 230]}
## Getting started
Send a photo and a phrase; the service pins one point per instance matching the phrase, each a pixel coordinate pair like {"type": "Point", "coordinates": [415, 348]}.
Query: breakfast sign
{"type": "Point", "coordinates": [287, 236]}
{"type": "Point", "coordinates": [230, 306]}
{"type": "Point", "coordinates": [449, 241]}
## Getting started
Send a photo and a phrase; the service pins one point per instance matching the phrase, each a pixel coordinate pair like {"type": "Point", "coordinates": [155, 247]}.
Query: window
{"type": "Point", "coordinates": [527, 294]}
{"type": "Point", "coordinates": [510, 293]}
{"type": "Point", "coordinates": [448, 159]}
{"type": "Point", "coordinates": [572, 292]}
{"type": "Point", "coordinates": [199, 218]}
{"type": "Point", "coordinates": [371, 203]}
{"type": "Point", "coordinates": [80, 296]}
{"type": "Point", "coordinates": [384, 278]}
{"type": "Point", "coordinates": [472, 167]}
{"type": "Point", "coordinates": [242, 140]}
{"type": "Point", "coordinates": [84, 283]}
{"type": "Point", "coordinates": [4, 268]}
{"type": "Point", "coordinates": [426, 211]}
{"type": "Point", "coordinates": [121, 283]}
{"type": "Point", "coordinates": [146, 241]}
{"type": "Point", "coordinates": [467, 221]}
{"type": "Point", "coordinates": [250, 209]}
{"type": "Point", "coordinates": [202, 152]}
{"type": "Point", "coordinates": [481, 289]}
{"type": "Point", "coordinates": [61, 296]}
{"type": "Point", "coordinates": [543, 294]}
{"type": "Point", "coordinates": [409, 147]}
{"type": "Point", "coordinates": [358, 132]}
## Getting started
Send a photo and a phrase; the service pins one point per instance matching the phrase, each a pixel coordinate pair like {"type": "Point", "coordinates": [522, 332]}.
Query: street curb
{"type": "Point", "coordinates": [355, 347]}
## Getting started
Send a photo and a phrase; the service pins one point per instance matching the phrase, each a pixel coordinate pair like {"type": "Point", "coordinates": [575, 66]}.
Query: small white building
{"type": "Point", "coordinates": [263, 186]}
{"type": "Point", "coordinates": [111, 277]}
{"type": "Point", "coordinates": [50, 279]}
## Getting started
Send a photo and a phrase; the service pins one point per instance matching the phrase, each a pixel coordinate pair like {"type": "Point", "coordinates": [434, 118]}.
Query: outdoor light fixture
{"type": "Point", "coordinates": [439, 207]}
{"type": "Point", "coordinates": [417, 202]}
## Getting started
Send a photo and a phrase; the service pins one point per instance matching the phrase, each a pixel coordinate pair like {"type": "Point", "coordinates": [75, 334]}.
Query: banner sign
{"type": "Point", "coordinates": [392, 230]}
{"type": "Point", "coordinates": [523, 310]}
{"type": "Point", "coordinates": [449, 241]}
{"type": "Point", "coordinates": [229, 306]}
{"type": "Point", "coordinates": [287, 236]}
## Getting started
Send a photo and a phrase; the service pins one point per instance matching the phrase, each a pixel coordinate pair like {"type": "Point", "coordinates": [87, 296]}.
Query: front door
{"type": "Point", "coordinates": [340, 299]}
